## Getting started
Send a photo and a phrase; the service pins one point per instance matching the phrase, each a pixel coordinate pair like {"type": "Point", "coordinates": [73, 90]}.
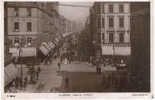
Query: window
{"type": "Point", "coordinates": [121, 37]}
{"type": "Point", "coordinates": [16, 40]}
{"type": "Point", "coordinates": [98, 10]}
{"type": "Point", "coordinates": [23, 41]}
{"type": "Point", "coordinates": [111, 22]}
{"type": "Point", "coordinates": [111, 39]}
{"type": "Point", "coordinates": [111, 8]}
{"type": "Point", "coordinates": [16, 26]}
{"type": "Point", "coordinates": [99, 22]}
{"type": "Point", "coordinates": [102, 8]}
{"type": "Point", "coordinates": [103, 37]}
{"type": "Point", "coordinates": [29, 26]}
{"type": "Point", "coordinates": [29, 12]}
{"type": "Point", "coordinates": [16, 11]}
{"type": "Point", "coordinates": [103, 22]}
{"type": "Point", "coordinates": [29, 40]}
{"type": "Point", "coordinates": [121, 22]}
{"type": "Point", "coordinates": [121, 8]}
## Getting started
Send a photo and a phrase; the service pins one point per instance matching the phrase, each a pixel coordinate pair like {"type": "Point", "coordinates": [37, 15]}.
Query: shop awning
{"type": "Point", "coordinates": [10, 73]}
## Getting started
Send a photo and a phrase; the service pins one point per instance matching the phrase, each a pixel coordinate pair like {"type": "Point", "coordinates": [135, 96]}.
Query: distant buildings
{"type": "Point", "coordinates": [110, 28]}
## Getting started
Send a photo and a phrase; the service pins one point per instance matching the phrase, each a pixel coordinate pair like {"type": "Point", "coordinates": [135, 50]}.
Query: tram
{"type": "Point", "coordinates": [36, 54]}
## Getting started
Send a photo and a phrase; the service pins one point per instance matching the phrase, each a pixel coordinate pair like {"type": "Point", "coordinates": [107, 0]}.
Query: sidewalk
{"type": "Point", "coordinates": [48, 79]}
{"type": "Point", "coordinates": [84, 67]}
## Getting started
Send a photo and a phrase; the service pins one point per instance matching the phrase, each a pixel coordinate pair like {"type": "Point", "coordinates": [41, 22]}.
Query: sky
{"type": "Point", "coordinates": [78, 14]}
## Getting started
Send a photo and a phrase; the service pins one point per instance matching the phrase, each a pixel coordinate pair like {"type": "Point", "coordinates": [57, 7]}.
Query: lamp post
{"type": "Point", "coordinates": [21, 71]}
{"type": "Point", "coordinates": [94, 46]}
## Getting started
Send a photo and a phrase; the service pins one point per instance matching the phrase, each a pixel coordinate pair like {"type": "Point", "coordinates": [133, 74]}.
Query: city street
{"type": "Point", "coordinates": [48, 78]}
{"type": "Point", "coordinates": [49, 49]}
{"type": "Point", "coordinates": [82, 77]}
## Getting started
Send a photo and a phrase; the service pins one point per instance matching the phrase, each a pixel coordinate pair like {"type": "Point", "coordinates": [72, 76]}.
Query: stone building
{"type": "Point", "coordinates": [110, 28]}
{"type": "Point", "coordinates": [140, 69]}
{"type": "Point", "coordinates": [26, 21]}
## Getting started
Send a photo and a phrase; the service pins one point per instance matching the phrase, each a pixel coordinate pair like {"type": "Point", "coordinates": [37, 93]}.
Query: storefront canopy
{"type": "Point", "coordinates": [10, 73]}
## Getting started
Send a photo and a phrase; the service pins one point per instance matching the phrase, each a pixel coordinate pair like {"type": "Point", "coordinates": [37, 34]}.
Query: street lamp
{"type": "Point", "coordinates": [94, 46]}
{"type": "Point", "coordinates": [21, 71]}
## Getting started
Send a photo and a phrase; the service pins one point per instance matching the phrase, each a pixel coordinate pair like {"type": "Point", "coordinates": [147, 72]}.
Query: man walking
{"type": "Point", "coordinates": [59, 66]}
{"type": "Point", "coordinates": [38, 72]}
{"type": "Point", "coordinates": [25, 82]}
{"type": "Point", "coordinates": [66, 82]}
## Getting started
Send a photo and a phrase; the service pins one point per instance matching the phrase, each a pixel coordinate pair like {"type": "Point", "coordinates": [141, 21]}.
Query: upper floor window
{"type": "Point", "coordinates": [102, 8]}
{"type": "Point", "coordinates": [16, 10]}
{"type": "Point", "coordinates": [121, 8]}
{"type": "Point", "coordinates": [16, 26]}
{"type": "Point", "coordinates": [98, 10]}
{"type": "Point", "coordinates": [99, 22]}
{"type": "Point", "coordinates": [111, 22]}
{"type": "Point", "coordinates": [29, 26]}
{"type": "Point", "coordinates": [111, 37]}
{"type": "Point", "coordinates": [111, 8]}
{"type": "Point", "coordinates": [121, 37]}
{"type": "Point", "coordinates": [29, 12]}
{"type": "Point", "coordinates": [121, 22]}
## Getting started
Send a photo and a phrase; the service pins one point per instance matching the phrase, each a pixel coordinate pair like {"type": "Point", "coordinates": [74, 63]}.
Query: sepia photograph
{"type": "Point", "coordinates": [77, 47]}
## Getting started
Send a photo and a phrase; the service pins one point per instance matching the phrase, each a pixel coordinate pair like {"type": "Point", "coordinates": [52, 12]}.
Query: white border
{"type": "Point", "coordinates": [85, 96]}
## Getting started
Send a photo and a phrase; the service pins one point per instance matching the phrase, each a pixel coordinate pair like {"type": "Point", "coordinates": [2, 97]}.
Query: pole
{"type": "Point", "coordinates": [113, 51]}
{"type": "Point", "coordinates": [21, 81]}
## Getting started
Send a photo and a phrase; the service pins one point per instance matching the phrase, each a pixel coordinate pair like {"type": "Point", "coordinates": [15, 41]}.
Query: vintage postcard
{"type": "Point", "coordinates": [77, 49]}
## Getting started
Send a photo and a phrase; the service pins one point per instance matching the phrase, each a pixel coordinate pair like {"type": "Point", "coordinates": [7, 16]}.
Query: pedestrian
{"type": "Point", "coordinates": [66, 82]}
{"type": "Point", "coordinates": [38, 72]}
{"type": "Point", "coordinates": [65, 61]}
{"type": "Point", "coordinates": [106, 81]}
{"type": "Point", "coordinates": [99, 68]}
{"type": "Point", "coordinates": [32, 77]}
{"type": "Point", "coordinates": [61, 59]}
{"type": "Point", "coordinates": [21, 82]}
{"type": "Point", "coordinates": [69, 60]}
{"type": "Point", "coordinates": [40, 86]}
{"type": "Point", "coordinates": [103, 80]}
{"type": "Point", "coordinates": [25, 82]}
{"type": "Point", "coordinates": [16, 82]}
{"type": "Point", "coordinates": [90, 59]}
{"type": "Point", "coordinates": [59, 66]}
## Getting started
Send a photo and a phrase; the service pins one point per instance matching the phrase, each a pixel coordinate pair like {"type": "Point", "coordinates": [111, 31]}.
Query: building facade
{"type": "Point", "coordinates": [23, 23]}
{"type": "Point", "coordinates": [26, 21]}
{"type": "Point", "coordinates": [140, 51]}
{"type": "Point", "coordinates": [110, 28]}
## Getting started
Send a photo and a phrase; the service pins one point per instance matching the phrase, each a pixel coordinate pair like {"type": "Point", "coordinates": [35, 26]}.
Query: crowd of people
{"type": "Point", "coordinates": [21, 82]}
